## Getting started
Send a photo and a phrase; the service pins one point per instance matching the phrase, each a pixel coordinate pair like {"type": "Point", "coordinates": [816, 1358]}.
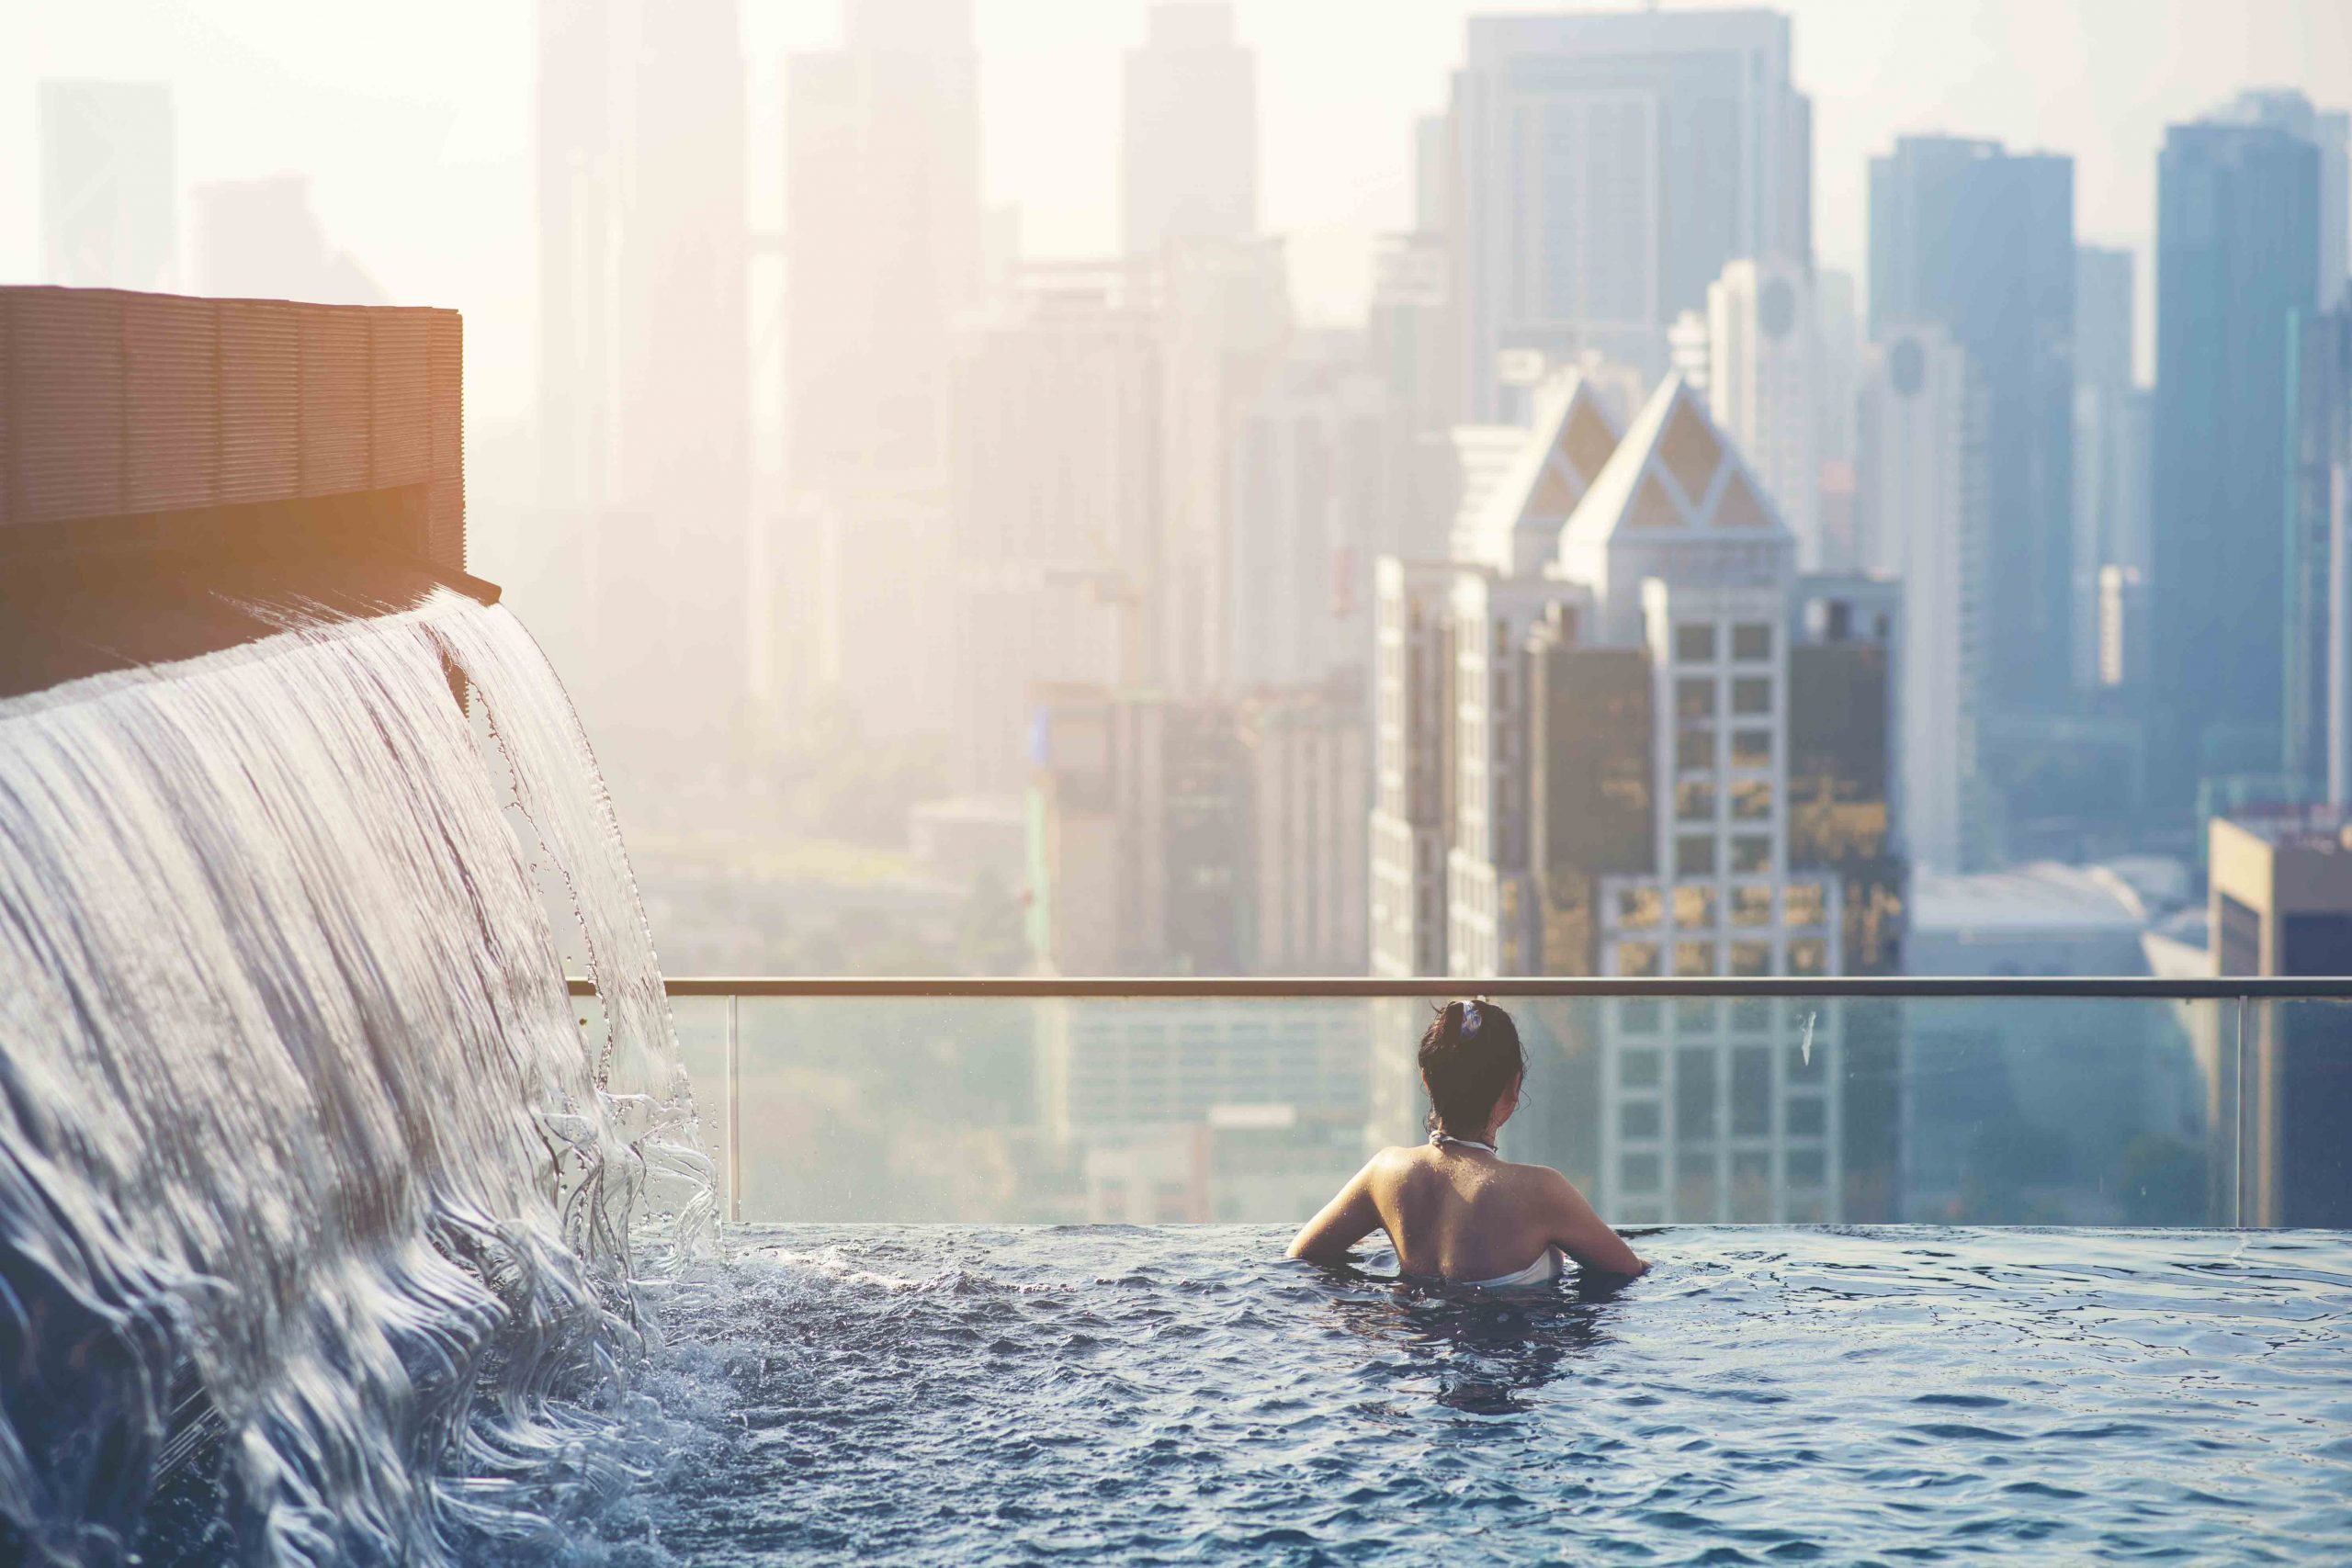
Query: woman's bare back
{"type": "Point", "coordinates": [1458, 1213]}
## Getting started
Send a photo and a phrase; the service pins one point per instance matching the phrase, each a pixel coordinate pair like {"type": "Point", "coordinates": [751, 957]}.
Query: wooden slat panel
{"type": "Point", "coordinates": [334, 399]}
{"type": "Point", "coordinates": [260, 389]}
{"type": "Point", "coordinates": [169, 348]}
{"type": "Point", "coordinates": [399, 397]}
{"type": "Point", "coordinates": [67, 345]}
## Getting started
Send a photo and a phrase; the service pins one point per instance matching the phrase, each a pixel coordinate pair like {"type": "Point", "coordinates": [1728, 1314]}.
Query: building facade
{"type": "Point", "coordinates": [1189, 132]}
{"type": "Point", "coordinates": [1765, 383]}
{"type": "Point", "coordinates": [1412, 819]}
{"type": "Point", "coordinates": [1981, 240]}
{"type": "Point", "coordinates": [1606, 166]}
{"type": "Point", "coordinates": [1925, 484]}
{"type": "Point", "coordinates": [2236, 263]}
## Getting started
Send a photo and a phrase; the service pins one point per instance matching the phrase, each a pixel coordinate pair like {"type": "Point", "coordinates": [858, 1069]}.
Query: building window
{"type": "Point", "coordinates": [1804, 904]}
{"type": "Point", "coordinates": [1694, 1092]}
{"type": "Point", "coordinates": [1752, 694]}
{"type": "Point", "coordinates": [1751, 640]}
{"type": "Point", "coordinates": [1694, 907]}
{"type": "Point", "coordinates": [1750, 959]}
{"type": "Point", "coordinates": [1751, 748]}
{"type": "Point", "coordinates": [1639, 1173]}
{"type": "Point", "coordinates": [1694, 800]}
{"type": "Point", "coordinates": [1694, 960]}
{"type": "Point", "coordinates": [1638, 908]}
{"type": "Point", "coordinates": [1808, 1117]}
{"type": "Point", "coordinates": [1750, 854]}
{"type": "Point", "coordinates": [1805, 1167]}
{"type": "Point", "coordinates": [1638, 1069]}
{"type": "Point", "coordinates": [1694, 1015]}
{"type": "Point", "coordinates": [1751, 800]}
{"type": "Point", "coordinates": [1638, 1119]}
{"type": "Point", "coordinates": [1638, 958]}
{"type": "Point", "coordinates": [1694, 855]}
{"type": "Point", "coordinates": [1751, 1091]}
{"type": "Point", "coordinates": [1751, 906]}
{"type": "Point", "coordinates": [1638, 1015]}
{"type": "Point", "coordinates": [1694, 643]}
{"type": "Point", "coordinates": [1804, 1066]}
{"type": "Point", "coordinates": [1751, 1015]}
{"type": "Point", "coordinates": [1809, 956]}
{"type": "Point", "coordinates": [1694, 749]}
{"type": "Point", "coordinates": [1695, 698]}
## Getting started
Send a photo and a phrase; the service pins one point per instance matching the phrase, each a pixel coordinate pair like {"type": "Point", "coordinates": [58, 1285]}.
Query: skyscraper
{"type": "Point", "coordinates": [1981, 240]}
{"type": "Point", "coordinates": [1764, 384]}
{"type": "Point", "coordinates": [644, 343]}
{"type": "Point", "coordinates": [1189, 143]}
{"type": "Point", "coordinates": [108, 195]}
{"type": "Point", "coordinates": [1923, 483]}
{"type": "Point", "coordinates": [1054, 503]}
{"type": "Point", "coordinates": [882, 242]}
{"type": "Point", "coordinates": [2237, 260]}
{"type": "Point", "coordinates": [1413, 724]}
{"type": "Point", "coordinates": [1607, 167]}
{"type": "Point", "coordinates": [2111, 445]}
{"type": "Point", "coordinates": [2318, 758]}
{"type": "Point", "coordinates": [2330, 134]}
{"type": "Point", "coordinates": [1309, 492]}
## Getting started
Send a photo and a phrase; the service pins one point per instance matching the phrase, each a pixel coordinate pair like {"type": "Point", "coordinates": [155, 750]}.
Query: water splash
{"type": "Point", "coordinates": [294, 1114]}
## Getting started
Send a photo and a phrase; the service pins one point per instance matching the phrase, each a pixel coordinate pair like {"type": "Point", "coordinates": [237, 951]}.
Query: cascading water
{"type": "Point", "coordinates": [297, 1125]}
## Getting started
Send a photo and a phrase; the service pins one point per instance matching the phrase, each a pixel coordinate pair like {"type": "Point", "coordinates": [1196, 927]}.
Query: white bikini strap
{"type": "Point", "coordinates": [1438, 1139]}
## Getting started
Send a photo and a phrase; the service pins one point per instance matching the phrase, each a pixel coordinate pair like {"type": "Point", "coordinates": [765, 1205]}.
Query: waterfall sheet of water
{"type": "Point", "coordinates": [294, 1106]}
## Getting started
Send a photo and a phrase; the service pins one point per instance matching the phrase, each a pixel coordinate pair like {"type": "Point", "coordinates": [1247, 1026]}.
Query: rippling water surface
{"type": "Point", "coordinates": [1764, 1397]}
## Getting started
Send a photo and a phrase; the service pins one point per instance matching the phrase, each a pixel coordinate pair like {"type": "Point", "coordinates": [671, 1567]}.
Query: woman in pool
{"type": "Point", "coordinates": [1454, 1208]}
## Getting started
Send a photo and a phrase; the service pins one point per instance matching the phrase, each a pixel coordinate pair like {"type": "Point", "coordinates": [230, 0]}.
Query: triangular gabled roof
{"type": "Point", "coordinates": [1675, 472]}
{"type": "Point", "coordinates": [1516, 529]}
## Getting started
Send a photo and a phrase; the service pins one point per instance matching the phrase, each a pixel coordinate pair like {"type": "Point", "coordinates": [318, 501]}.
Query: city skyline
{"type": "Point", "coordinates": [404, 130]}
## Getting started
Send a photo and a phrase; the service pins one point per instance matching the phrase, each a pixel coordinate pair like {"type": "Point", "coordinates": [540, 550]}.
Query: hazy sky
{"type": "Point", "coordinates": [414, 121]}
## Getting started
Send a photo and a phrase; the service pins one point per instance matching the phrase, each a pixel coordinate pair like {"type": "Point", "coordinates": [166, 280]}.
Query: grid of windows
{"type": "Point", "coordinates": [1720, 1111]}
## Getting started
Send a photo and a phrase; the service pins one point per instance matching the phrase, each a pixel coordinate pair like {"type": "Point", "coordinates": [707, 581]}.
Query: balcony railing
{"type": "Point", "coordinates": [1940, 1101]}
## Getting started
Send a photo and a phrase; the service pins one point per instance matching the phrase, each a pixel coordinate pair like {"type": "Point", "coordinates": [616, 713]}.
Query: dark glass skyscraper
{"type": "Point", "coordinates": [2236, 263]}
{"type": "Point", "coordinates": [1981, 240]}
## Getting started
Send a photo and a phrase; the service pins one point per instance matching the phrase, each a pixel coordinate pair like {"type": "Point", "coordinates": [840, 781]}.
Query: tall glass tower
{"type": "Point", "coordinates": [2237, 213]}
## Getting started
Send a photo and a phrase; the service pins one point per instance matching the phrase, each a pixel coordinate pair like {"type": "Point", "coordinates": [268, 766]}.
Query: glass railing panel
{"type": "Point", "coordinates": [1719, 1109]}
{"type": "Point", "coordinates": [702, 1025]}
{"type": "Point", "coordinates": [2294, 1113]}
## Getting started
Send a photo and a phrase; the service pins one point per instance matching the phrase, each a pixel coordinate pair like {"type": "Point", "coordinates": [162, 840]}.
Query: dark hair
{"type": "Point", "coordinates": [1470, 1056]}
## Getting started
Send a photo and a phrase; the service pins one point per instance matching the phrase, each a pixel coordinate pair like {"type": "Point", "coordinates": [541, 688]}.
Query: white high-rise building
{"type": "Point", "coordinates": [1608, 165]}
{"type": "Point", "coordinates": [1506, 540]}
{"type": "Point", "coordinates": [109, 198]}
{"type": "Point", "coordinates": [1412, 752]}
{"type": "Point", "coordinates": [1189, 142]}
{"type": "Point", "coordinates": [1764, 385]}
{"type": "Point", "coordinates": [1924, 476]}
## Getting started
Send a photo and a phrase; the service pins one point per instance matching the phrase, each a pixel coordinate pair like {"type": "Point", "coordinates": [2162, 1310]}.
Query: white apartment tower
{"type": "Point", "coordinates": [1764, 382]}
{"type": "Point", "coordinates": [1923, 477]}
{"type": "Point", "coordinates": [1607, 167]}
{"type": "Point", "coordinates": [1411, 829]}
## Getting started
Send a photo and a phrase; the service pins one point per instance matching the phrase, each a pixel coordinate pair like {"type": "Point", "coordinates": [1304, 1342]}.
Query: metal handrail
{"type": "Point", "coordinates": [2131, 987]}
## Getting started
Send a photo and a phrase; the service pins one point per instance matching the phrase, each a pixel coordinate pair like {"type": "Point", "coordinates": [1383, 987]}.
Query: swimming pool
{"type": "Point", "coordinates": [1767, 1395]}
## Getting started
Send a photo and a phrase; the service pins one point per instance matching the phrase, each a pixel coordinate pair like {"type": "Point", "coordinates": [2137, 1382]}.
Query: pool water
{"type": "Point", "coordinates": [1765, 1395]}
